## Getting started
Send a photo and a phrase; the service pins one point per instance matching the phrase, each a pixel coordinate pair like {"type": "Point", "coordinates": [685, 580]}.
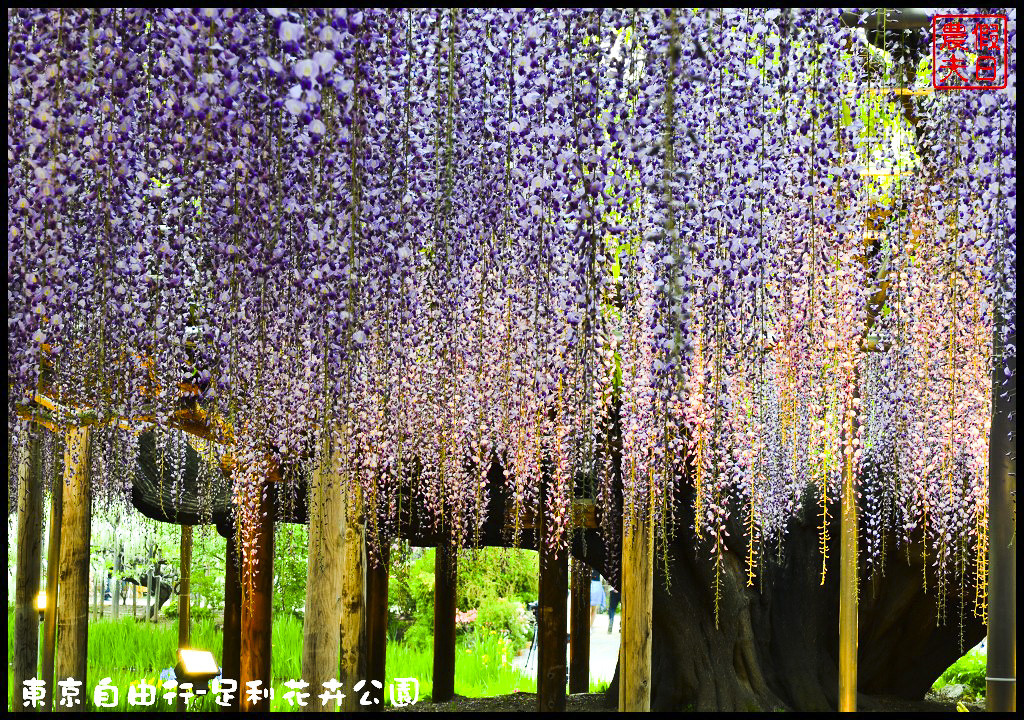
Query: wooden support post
{"type": "Point", "coordinates": [101, 582]}
{"type": "Point", "coordinates": [353, 596]}
{"type": "Point", "coordinates": [257, 575]}
{"type": "Point", "coordinates": [321, 631]}
{"type": "Point", "coordinates": [116, 592]}
{"type": "Point", "coordinates": [848, 597]}
{"type": "Point", "coordinates": [30, 531]}
{"type": "Point", "coordinates": [445, 587]}
{"type": "Point", "coordinates": [231, 657]}
{"type": "Point", "coordinates": [151, 582]}
{"type": "Point", "coordinates": [52, 585]}
{"type": "Point", "coordinates": [579, 629]}
{"type": "Point", "coordinates": [637, 602]}
{"type": "Point", "coordinates": [551, 625]}
{"type": "Point", "coordinates": [377, 626]}
{"type": "Point", "coordinates": [73, 607]}
{"type": "Point", "coordinates": [848, 601]}
{"type": "Point", "coordinates": [184, 605]}
{"type": "Point", "coordinates": [1001, 672]}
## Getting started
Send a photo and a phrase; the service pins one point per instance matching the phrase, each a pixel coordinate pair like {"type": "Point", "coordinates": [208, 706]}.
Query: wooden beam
{"type": "Point", "coordinates": [321, 631]}
{"type": "Point", "coordinates": [579, 628]}
{"type": "Point", "coordinates": [583, 514]}
{"type": "Point", "coordinates": [1001, 664]}
{"type": "Point", "coordinates": [184, 605]}
{"type": "Point", "coordinates": [353, 595]}
{"type": "Point", "coordinates": [231, 659]}
{"type": "Point", "coordinates": [257, 573]}
{"type": "Point", "coordinates": [637, 601]}
{"type": "Point", "coordinates": [30, 531]}
{"type": "Point", "coordinates": [551, 625]}
{"type": "Point", "coordinates": [445, 587]}
{"type": "Point", "coordinates": [73, 605]}
{"type": "Point", "coordinates": [377, 627]}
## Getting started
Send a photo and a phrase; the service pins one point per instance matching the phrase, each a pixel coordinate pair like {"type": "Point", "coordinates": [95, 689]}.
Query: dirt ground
{"type": "Point", "coordinates": [596, 702]}
{"type": "Point", "coordinates": [519, 702]}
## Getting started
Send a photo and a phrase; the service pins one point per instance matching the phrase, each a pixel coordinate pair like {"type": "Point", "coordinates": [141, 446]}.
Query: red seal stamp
{"type": "Point", "coordinates": [969, 52]}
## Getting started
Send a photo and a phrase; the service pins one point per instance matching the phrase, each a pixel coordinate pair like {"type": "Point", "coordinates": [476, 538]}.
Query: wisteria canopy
{"type": "Point", "coordinates": [631, 249]}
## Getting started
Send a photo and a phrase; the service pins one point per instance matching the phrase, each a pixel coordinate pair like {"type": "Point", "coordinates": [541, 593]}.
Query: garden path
{"type": "Point", "coordinates": [604, 651]}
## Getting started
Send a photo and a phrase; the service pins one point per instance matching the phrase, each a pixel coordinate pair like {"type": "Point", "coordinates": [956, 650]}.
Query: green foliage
{"type": "Point", "coordinates": [968, 671]}
{"type": "Point", "coordinates": [506, 617]}
{"type": "Point", "coordinates": [496, 582]}
{"type": "Point", "coordinates": [129, 652]}
{"type": "Point", "coordinates": [291, 565]}
{"type": "Point", "coordinates": [496, 572]}
{"type": "Point", "coordinates": [206, 584]}
{"type": "Point", "coordinates": [483, 666]}
{"type": "Point", "coordinates": [411, 592]}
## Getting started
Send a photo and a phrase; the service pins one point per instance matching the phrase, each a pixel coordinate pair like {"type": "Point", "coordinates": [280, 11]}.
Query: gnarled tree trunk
{"type": "Point", "coordinates": [776, 643]}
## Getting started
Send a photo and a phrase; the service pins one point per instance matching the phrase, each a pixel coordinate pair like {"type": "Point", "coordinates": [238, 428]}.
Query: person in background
{"type": "Point", "coordinates": [613, 603]}
{"type": "Point", "coordinates": [596, 595]}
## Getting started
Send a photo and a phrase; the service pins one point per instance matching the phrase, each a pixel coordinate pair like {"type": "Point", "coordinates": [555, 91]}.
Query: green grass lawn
{"type": "Point", "coordinates": [129, 652]}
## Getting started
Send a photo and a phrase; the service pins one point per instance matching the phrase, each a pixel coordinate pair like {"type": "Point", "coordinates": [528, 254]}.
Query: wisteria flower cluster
{"type": "Point", "coordinates": [443, 238]}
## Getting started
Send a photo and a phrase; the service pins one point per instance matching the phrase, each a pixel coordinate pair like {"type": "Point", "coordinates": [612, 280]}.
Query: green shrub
{"type": "Point", "coordinates": [496, 582]}
{"type": "Point", "coordinates": [968, 671]}
{"type": "Point", "coordinates": [291, 566]}
{"type": "Point", "coordinates": [506, 617]}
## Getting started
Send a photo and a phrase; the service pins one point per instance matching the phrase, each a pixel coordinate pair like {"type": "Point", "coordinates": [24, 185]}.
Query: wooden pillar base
{"type": "Point", "coordinates": [551, 626]}
{"type": "Point", "coordinates": [321, 628]}
{"type": "Point", "coordinates": [73, 608]}
{"type": "Point", "coordinates": [52, 585]}
{"type": "Point", "coordinates": [579, 629]}
{"type": "Point", "coordinates": [445, 587]}
{"type": "Point", "coordinates": [257, 594]}
{"type": "Point", "coordinates": [30, 530]}
{"type": "Point", "coordinates": [231, 667]}
{"type": "Point", "coordinates": [353, 597]}
{"type": "Point", "coordinates": [637, 603]}
{"type": "Point", "coordinates": [377, 628]}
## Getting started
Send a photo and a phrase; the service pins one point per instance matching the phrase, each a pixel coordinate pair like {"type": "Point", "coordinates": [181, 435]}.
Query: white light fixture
{"type": "Point", "coordinates": [41, 604]}
{"type": "Point", "coordinates": [197, 667]}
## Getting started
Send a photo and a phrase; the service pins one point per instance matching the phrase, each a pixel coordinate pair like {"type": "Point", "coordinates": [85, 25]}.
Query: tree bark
{"type": "Point", "coordinates": [776, 643]}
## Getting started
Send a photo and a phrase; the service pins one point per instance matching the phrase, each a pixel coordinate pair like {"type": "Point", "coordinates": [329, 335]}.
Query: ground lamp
{"type": "Point", "coordinates": [41, 604]}
{"type": "Point", "coordinates": [197, 667]}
